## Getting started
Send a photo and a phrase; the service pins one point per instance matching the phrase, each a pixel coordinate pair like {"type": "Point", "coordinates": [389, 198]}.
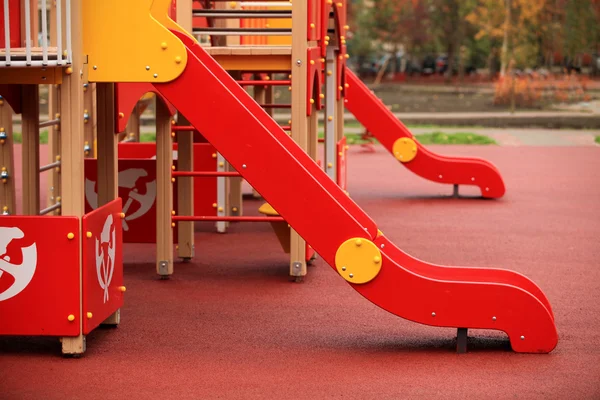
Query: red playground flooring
{"type": "Point", "coordinates": [230, 324]}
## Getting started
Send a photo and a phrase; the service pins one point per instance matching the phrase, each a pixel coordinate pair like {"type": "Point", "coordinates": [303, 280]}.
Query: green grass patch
{"type": "Point", "coordinates": [453, 138]}
{"type": "Point", "coordinates": [597, 139]}
{"type": "Point", "coordinates": [18, 137]}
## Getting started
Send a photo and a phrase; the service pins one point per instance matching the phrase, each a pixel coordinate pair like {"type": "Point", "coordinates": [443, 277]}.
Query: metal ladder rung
{"type": "Point", "coordinates": [243, 13]}
{"type": "Point", "coordinates": [243, 31]}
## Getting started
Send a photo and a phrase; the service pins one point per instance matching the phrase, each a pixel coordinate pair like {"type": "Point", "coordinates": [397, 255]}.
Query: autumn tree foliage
{"type": "Point", "coordinates": [528, 33]}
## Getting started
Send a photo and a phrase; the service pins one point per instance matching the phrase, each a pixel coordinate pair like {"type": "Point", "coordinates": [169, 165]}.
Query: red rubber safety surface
{"type": "Point", "coordinates": [230, 325]}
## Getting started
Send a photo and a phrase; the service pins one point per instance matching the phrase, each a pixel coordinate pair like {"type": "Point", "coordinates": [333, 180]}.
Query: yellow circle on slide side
{"type": "Point", "coordinates": [358, 260]}
{"type": "Point", "coordinates": [404, 149]}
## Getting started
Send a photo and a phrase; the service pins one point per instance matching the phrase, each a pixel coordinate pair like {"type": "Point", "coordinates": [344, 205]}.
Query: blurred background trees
{"type": "Point", "coordinates": [457, 37]}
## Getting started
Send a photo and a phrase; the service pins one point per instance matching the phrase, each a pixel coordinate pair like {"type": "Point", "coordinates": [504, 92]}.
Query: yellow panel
{"type": "Point", "coordinates": [285, 23]}
{"type": "Point", "coordinates": [31, 75]}
{"type": "Point", "coordinates": [254, 62]}
{"type": "Point", "coordinates": [405, 149]}
{"type": "Point", "coordinates": [125, 43]}
{"type": "Point", "coordinates": [163, 18]}
{"type": "Point", "coordinates": [358, 260]}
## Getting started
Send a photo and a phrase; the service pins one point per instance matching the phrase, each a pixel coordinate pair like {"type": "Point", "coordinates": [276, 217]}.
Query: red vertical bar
{"type": "Point", "coordinates": [14, 9]}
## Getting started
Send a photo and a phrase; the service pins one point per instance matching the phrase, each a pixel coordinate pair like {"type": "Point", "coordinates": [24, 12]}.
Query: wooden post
{"type": "Point", "coordinates": [164, 191]}
{"type": "Point", "coordinates": [90, 118]}
{"type": "Point", "coordinates": [54, 183]}
{"type": "Point", "coordinates": [108, 185]}
{"type": "Point", "coordinates": [30, 128]}
{"type": "Point", "coordinates": [185, 159]}
{"type": "Point", "coordinates": [299, 118]}
{"type": "Point", "coordinates": [330, 114]}
{"type": "Point", "coordinates": [313, 133]}
{"type": "Point", "coordinates": [185, 191]}
{"type": "Point", "coordinates": [53, 131]}
{"type": "Point", "coordinates": [132, 130]}
{"type": "Point", "coordinates": [107, 145]}
{"type": "Point", "coordinates": [222, 195]}
{"type": "Point", "coordinates": [72, 178]}
{"type": "Point", "coordinates": [339, 119]}
{"type": "Point", "coordinates": [8, 203]}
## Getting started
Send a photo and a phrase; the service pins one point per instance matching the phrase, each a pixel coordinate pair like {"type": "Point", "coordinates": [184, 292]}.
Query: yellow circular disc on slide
{"type": "Point", "coordinates": [405, 149]}
{"type": "Point", "coordinates": [358, 260]}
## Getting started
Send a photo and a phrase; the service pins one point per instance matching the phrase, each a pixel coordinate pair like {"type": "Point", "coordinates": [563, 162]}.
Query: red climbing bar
{"type": "Point", "coordinates": [185, 128]}
{"type": "Point", "coordinates": [265, 83]}
{"type": "Point", "coordinates": [205, 173]}
{"type": "Point", "coordinates": [286, 127]}
{"type": "Point", "coordinates": [212, 218]}
{"type": "Point", "coordinates": [276, 105]}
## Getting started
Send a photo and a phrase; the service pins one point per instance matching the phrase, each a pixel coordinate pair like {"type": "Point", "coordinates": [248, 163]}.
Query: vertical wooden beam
{"type": "Point", "coordinates": [90, 118]}
{"type": "Point", "coordinates": [313, 133]}
{"type": "Point", "coordinates": [185, 191]}
{"type": "Point", "coordinates": [108, 185]}
{"type": "Point", "coordinates": [33, 22]}
{"type": "Point", "coordinates": [222, 194]}
{"type": "Point", "coordinates": [185, 159]}
{"type": "Point", "coordinates": [54, 183]}
{"type": "Point", "coordinates": [53, 131]}
{"type": "Point", "coordinates": [164, 191]}
{"type": "Point", "coordinates": [8, 201]}
{"type": "Point", "coordinates": [107, 144]}
{"type": "Point", "coordinates": [72, 179]}
{"type": "Point", "coordinates": [132, 130]}
{"type": "Point", "coordinates": [339, 119]}
{"type": "Point", "coordinates": [330, 115]}
{"type": "Point", "coordinates": [299, 117]}
{"type": "Point", "coordinates": [30, 130]}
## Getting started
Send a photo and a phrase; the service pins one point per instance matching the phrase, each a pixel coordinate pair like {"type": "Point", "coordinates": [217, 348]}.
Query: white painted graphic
{"type": "Point", "coordinates": [22, 273]}
{"type": "Point", "coordinates": [105, 255]}
{"type": "Point", "coordinates": [127, 179]}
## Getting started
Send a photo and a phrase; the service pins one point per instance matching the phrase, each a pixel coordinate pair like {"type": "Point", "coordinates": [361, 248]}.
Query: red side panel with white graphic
{"type": "Point", "coordinates": [137, 188]}
{"type": "Point", "coordinates": [39, 276]}
{"type": "Point", "coordinates": [102, 264]}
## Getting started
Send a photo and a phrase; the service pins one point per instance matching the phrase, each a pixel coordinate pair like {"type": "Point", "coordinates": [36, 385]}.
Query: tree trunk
{"type": "Point", "coordinates": [506, 39]}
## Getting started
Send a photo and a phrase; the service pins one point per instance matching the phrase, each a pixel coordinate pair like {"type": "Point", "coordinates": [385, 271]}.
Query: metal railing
{"type": "Point", "coordinates": [29, 56]}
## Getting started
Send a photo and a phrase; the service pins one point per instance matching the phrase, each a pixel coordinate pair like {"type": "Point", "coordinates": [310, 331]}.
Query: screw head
{"type": "Point", "coordinates": [243, 165]}
{"type": "Point", "coordinates": [433, 314]}
{"type": "Point", "coordinates": [156, 75]}
{"type": "Point", "coordinates": [351, 275]}
{"type": "Point", "coordinates": [493, 318]}
{"type": "Point", "coordinates": [343, 268]}
{"type": "Point", "coordinates": [382, 245]}
{"type": "Point", "coordinates": [298, 62]}
{"type": "Point", "coordinates": [95, 68]}
{"type": "Point", "coordinates": [522, 337]}
{"type": "Point", "coordinates": [147, 68]}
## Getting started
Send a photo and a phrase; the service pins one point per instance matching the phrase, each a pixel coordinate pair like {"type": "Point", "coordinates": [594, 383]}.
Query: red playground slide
{"type": "Point", "coordinates": [397, 139]}
{"type": "Point", "coordinates": [340, 231]}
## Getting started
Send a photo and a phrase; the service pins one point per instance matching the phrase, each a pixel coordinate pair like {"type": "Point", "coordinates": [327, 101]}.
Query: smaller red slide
{"type": "Point", "coordinates": [397, 139]}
